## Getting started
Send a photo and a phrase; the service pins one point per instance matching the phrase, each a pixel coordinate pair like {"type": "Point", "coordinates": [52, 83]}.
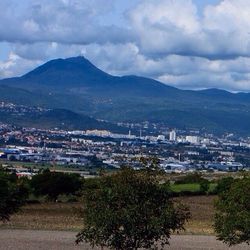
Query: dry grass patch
{"type": "Point", "coordinates": [65, 216]}
{"type": "Point", "coordinates": [47, 216]}
{"type": "Point", "coordinates": [202, 213]}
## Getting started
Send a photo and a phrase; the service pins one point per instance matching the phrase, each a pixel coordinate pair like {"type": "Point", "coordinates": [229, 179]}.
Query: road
{"type": "Point", "coordinates": [56, 240]}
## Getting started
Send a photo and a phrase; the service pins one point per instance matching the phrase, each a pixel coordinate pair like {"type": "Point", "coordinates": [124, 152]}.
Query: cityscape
{"type": "Point", "coordinates": [179, 151]}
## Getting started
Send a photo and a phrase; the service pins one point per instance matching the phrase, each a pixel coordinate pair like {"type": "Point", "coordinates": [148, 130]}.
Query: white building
{"type": "Point", "coordinates": [161, 138]}
{"type": "Point", "coordinates": [172, 135]}
{"type": "Point", "coordinates": [193, 139]}
{"type": "Point", "coordinates": [100, 133]}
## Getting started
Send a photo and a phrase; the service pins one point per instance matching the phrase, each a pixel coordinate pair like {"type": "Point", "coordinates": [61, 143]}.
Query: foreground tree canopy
{"type": "Point", "coordinates": [232, 219]}
{"type": "Point", "coordinates": [13, 194]}
{"type": "Point", "coordinates": [130, 210]}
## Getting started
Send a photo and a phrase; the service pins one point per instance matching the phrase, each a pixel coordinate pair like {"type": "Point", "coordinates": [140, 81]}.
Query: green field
{"type": "Point", "coordinates": [190, 187]}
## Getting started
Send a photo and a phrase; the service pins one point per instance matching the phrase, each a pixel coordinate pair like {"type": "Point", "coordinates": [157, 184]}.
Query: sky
{"type": "Point", "coordinates": [189, 44]}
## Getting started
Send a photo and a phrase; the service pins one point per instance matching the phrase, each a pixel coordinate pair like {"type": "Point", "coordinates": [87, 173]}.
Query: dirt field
{"type": "Point", "coordinates": [202, 211]}
{"type": "Point", "coordinates": [61, 240]}
{"type": "Point", "coordinates": [66, 216]}
{"type": "Point", "coordinates": [47, 216]}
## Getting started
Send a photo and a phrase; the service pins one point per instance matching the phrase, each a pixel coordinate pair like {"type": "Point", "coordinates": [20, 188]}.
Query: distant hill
{"type": "Point", "coordinates": [53, 118]}
{"type": "Point", "coordinates": [66, 119]}
{"type": "Point", "coordinates": [76, 84]}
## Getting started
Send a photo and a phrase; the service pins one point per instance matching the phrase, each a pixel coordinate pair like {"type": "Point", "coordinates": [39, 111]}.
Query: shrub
{"type": "Point", "coordinates": [13, 194]}
{"type": "Point", "coordinates": [232, 219]}
{"type": "Point", "coordinates": [53, 184]}
{"type": "Point", "coordinates": [190, 178]}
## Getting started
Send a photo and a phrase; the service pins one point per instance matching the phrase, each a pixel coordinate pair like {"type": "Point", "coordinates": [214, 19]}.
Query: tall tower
{"type": "Point", "coordinates": [129, 133]}
{"type": "Point", "coordinates": [172, 135]}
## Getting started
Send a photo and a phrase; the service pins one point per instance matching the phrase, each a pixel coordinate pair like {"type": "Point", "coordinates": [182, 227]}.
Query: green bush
{"type": "Point", "coordinates": [53, 184]}
{"type": "Point", "coordinates": [190, 178]}
{"type": "Point", "coordinates": [224, 184]}
{"type": "Point", "coordinates": [232, 219]}
{"type": "Point", "coordinates": [13, 194]}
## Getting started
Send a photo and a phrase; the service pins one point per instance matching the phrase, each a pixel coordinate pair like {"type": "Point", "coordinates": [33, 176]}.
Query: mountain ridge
{"type": "Point", "coordinates": [78, 85]}
{"type": "Point", "coordinates": [84, 65]}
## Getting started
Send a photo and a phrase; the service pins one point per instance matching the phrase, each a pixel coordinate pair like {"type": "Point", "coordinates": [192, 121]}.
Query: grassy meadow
{"type": "Point", "coordinates": [190, 187]}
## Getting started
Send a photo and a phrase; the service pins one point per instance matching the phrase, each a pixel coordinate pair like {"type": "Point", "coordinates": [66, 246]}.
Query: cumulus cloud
{"type": "Point", "coordinates": [165, 26]}
{"type": "Point", "coordinates": [15, 65]}
{"type": "Point", "coordinates": [168, 40]}
{"type": "Point", "coordinates": [175, 27]}
{"type": "Point", "coordinates": [63, 21]}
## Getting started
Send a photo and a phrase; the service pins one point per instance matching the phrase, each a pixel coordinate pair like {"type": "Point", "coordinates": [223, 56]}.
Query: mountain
{"type": "Point", "coordinates": [76, 84]}
{"type": "Point", "coordinates": [78, 74]}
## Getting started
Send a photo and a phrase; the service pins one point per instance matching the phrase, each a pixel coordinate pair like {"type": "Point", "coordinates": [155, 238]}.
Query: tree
{"type": "Point", "coordinates": [204, 186]}
{"type": "Point", "coordinates": [53, 184]}
{"type": "Point", "coordinates": [130, 210]}
{"type": "Point", "coordinates": [224, 184]}
{"type": "Point", "coordinates": [13, 194]}
{"type": "Point", "coordinates": [232, 219]}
